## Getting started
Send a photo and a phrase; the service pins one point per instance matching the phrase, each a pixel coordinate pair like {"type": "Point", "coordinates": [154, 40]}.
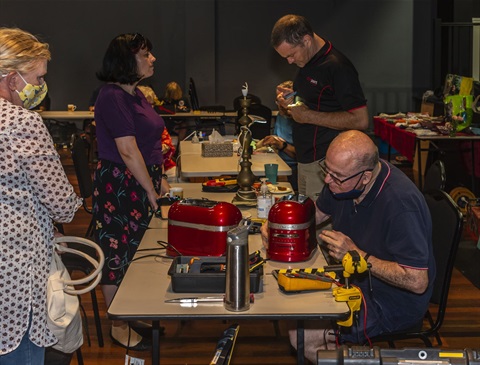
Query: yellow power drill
{"type": "Point", "coordinates": [352, 263]}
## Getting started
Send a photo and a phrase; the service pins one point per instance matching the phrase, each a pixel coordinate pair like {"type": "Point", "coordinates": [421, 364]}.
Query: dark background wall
{"type": "Point", "coordinates": [223, 43]}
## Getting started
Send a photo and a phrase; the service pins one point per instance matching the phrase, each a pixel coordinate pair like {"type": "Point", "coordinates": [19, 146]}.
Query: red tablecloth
{"type": "Point", "coordinates": [404, 142]}
{"type": "Point", "coordinates": [400, 139]}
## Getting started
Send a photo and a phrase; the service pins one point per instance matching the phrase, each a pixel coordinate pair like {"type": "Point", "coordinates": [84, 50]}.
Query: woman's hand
{"type": "Point", "coordinates": [56, 234]}
{"type": "Point", "coordinates": [165, 187]}
{"type": "Point", "coordinates": [152, 199]}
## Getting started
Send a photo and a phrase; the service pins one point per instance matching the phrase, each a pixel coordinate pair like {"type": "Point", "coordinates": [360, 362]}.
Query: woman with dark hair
{"type": "Point", "coordinates": [129, 177]}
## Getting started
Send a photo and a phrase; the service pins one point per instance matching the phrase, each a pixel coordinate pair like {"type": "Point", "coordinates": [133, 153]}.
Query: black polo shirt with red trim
{"type": "Point", "coordinates": [327, 83]}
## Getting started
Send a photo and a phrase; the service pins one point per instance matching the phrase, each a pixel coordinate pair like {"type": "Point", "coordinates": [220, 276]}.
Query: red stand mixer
{"type": "Point", "coordinates": [291, 229]}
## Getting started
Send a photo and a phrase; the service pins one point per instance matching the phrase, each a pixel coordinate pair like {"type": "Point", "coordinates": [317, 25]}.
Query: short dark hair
{"type": "Point", "coordinates": [290, 28]}
{"type": "Point", "coordinates": [119, 63]}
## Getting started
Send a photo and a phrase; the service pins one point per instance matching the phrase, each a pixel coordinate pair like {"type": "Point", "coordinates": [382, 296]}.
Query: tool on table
{"type": "Point", "coordinates": [255, 261]}
{"type": "Point", "coordinates": [352, 263]}
{"type": "Point", "coordinates": [303, 275]}
{"type": "Point", "coordinates": [303, 280]}
{"type": "Point", "coordinates": [209, 299]}
{"type": "Point", "coordinates": [219, 298]}
{"type": "Point", "coordinates": [213, 268]}
{"type": "Point", "coordinates": [220, 182]}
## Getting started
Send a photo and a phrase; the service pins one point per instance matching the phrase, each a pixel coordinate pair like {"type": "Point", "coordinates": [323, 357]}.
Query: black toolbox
{"type": "Point", "coordinates": [205, 274]}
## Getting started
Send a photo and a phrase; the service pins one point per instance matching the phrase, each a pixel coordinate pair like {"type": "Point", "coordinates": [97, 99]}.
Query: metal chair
{"type": "Point", "coordinates": [435, 178]}
{"type": "Point", "coordinates": [447, 223]}
{"type": "Point", "coordinates": [73, 262]}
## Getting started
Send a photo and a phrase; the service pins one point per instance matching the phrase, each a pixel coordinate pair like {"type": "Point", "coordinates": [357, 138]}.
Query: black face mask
{"type": "Point", "coordinates": [352, 194]}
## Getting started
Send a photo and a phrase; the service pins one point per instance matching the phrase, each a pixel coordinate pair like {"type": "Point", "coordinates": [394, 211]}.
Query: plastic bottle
{"type": "Point", "coordinates": [264, 200]}
{"type": "Point", "coordinates": [195, 138]}
{"type": "Point", "coordinates": [237, 286]}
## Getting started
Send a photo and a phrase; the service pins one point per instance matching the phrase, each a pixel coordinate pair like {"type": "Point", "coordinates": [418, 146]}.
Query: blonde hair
{"type": "Point", "coordinates": [173, 91]}
{"type": "Point", "coordinates": [149, 94]}
{"type": "Point", "coordinates": [286, 84]}
{"type": "Point", "coordinates": [20, 50]}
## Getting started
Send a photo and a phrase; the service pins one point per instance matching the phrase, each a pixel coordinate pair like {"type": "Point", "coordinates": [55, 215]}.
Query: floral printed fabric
{"type": "Point", "coordinates": [168, 162]}
{"type": "Point", "coordinates": [34, 191]}
{"type": "Point", "coordinates": [121, 212]}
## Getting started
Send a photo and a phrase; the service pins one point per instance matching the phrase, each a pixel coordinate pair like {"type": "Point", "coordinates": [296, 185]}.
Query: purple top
{"type": "Point", "coordinates": [119, 114]}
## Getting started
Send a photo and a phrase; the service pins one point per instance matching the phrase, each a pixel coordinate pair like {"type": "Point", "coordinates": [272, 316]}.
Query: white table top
{"type": "Point", "coordinates": [195, 114]}
{"type": "Point", "coordinates": [194, 165]}
{"type": "Point", "coordinates": [147, 285]}
{"type": "Point", "coordinates": [205, 114]}
{"type": "Point", "coordinates": [85, 114]}
{"type": "Point", "coordinates": [66, 115]}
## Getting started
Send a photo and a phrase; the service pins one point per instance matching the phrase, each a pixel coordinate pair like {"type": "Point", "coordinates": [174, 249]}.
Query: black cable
{"type": "Point", "coordinates": [169, 245]}
{"type": "Point", "coordinates": [164, 245]}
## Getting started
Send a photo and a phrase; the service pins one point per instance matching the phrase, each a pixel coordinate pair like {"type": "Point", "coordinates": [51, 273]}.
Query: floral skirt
{"type": "Point", "coordinates": [121, 213]}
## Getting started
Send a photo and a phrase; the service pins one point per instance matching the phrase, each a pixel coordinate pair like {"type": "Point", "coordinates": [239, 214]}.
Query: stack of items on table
{"type": "Point", "coordinates": [418, 123]}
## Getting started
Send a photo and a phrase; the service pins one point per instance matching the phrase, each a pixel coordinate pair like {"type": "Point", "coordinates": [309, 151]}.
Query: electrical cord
{"type": "Point", "coordinates": [179, 166]}
{"type": "Point", "coordinates": [164, 245]}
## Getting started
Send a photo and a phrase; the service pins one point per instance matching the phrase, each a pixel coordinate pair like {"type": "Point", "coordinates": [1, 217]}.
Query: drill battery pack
{"type": "Point", "coordinates": [299, 280]}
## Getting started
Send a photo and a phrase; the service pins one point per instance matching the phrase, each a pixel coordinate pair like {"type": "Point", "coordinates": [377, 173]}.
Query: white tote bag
{"type": "Point", "coordinates": [63, 307]}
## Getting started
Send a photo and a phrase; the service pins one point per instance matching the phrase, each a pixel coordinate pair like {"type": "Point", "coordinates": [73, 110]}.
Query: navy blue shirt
{"type": "Point", "coordinates": [392, 223]}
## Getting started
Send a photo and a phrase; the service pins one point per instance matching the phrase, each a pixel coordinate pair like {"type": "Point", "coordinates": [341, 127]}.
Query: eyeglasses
{"type": "Point", "coordinates": [335, 179]}
{"type": "Point", "coordinates": [137, 42]}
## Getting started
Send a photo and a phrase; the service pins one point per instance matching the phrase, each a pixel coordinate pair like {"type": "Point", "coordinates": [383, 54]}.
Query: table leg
{"type": "Point", "coordinates": [300, 342]}
{"type": "Point", "coordinates": [156, 343]}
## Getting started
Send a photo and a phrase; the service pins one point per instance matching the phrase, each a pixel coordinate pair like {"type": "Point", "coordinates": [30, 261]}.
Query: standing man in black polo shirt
{"type": "Point", "coordinates": [329, 97]}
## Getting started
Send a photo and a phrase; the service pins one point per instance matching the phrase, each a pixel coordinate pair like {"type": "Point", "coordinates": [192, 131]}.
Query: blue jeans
{"type": "Point", "coordinates": [27, 353]}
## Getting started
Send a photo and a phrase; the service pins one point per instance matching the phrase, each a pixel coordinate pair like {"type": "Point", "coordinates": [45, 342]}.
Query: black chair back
{"type": "Point", "coordinates": [447, 224]}
{"type": "Point", "coordinates": [192, 93]}
{"type": "Point", "coordinates": [435, 177]}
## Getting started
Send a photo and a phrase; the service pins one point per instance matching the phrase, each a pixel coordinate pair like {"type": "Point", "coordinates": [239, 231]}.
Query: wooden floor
{"type": "Point", "coordinates": [193, 342]}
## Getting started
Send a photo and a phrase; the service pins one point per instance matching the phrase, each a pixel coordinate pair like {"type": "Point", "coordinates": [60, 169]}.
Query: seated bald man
{"type": "Point", "coordinates": [376, 210]}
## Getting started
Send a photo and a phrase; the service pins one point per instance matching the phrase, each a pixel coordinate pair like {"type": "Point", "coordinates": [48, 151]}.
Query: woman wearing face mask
{"type": "Point", "coordinates": [130, 174]}
{"type": "Point", "coordinates": [34, 192]}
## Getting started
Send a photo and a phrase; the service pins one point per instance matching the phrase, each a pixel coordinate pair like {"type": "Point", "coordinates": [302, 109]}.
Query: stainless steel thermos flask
{"type": "Point", "coordinates": [237, 288]}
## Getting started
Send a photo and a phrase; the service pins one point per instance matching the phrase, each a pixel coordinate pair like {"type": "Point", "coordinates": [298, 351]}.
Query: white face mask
{"type": "Point", "coordinates": [32, 95]}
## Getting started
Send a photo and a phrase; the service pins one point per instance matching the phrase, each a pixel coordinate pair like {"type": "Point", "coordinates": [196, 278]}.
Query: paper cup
{"type": "Point", "coordinates": [176, 191]}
